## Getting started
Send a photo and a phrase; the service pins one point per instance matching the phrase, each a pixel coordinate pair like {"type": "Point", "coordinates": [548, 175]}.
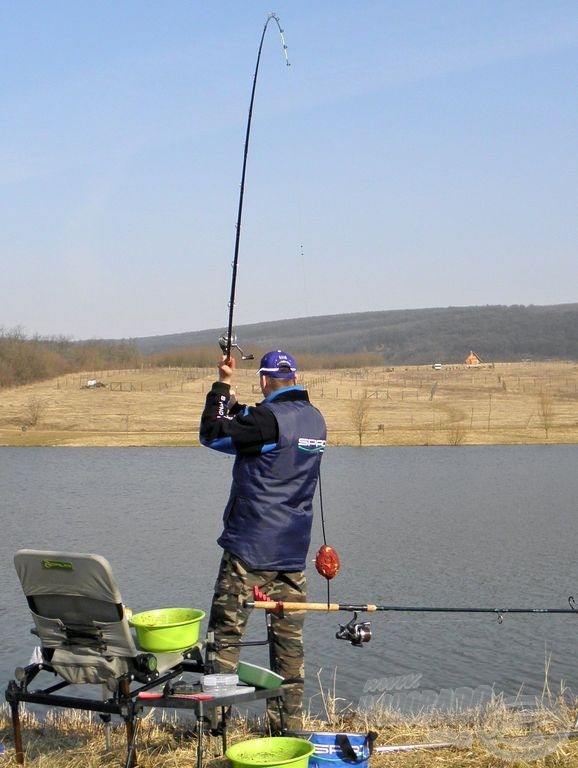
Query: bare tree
{"type": "Point", "coordinates": [359, 413]}
{"type": "Point", "coordinates": [35, 409]}
{"type": "Point", "coordinates": [457, 434]}
{"type": "Point", "coordinates": [546, 409]}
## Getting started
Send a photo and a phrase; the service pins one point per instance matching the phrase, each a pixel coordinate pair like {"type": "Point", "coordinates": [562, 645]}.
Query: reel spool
{"type": "Point", "coordinates": [227, 345]}
{"type": "Point", "coordinates": [356, 633]}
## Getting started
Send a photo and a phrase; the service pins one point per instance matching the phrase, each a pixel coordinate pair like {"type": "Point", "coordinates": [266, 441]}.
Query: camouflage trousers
{"type": "Point", "coordinates": [229, 617]}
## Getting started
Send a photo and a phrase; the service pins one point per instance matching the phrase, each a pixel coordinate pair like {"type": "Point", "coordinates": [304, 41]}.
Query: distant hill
{"type": "Point", "coordinates": [410, 336]}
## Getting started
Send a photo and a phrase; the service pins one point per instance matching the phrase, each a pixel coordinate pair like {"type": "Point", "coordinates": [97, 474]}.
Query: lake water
{"type": "Point", "coordinates": [475, 527]}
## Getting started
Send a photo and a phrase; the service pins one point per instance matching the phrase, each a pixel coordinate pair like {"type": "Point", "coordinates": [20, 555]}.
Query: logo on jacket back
{"type": "Point", "coordinates": [311, 445]}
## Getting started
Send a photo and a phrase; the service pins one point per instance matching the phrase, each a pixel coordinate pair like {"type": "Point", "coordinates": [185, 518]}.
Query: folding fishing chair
{"type": "Point", "coordinates": [85, 638]}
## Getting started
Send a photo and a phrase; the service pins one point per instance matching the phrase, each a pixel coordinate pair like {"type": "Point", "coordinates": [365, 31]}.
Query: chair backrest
{"type": "Point", "coordinates": [78, 614]}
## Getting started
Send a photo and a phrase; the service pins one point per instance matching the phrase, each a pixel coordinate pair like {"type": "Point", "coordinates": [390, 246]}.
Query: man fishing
{"type": "Point", "coordinates": [267, 521]}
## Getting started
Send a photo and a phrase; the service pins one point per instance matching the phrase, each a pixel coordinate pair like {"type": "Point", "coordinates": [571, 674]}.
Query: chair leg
{"type": "Point", "coordinates": [280, 715]}
{"type": "Point", "coordinates": [224, 714]}
{"type": "Point", "coordinates": [131, 732]}
{"type": "Point", "coordinates": [106, 726]}
{"type": "Point", "coordinates": [106, 723]}
{"type": "Point", "coordinates": [131, 728]}
{"type": "Point", "coordinates": [200, 729]}
{"type": "Point", "coordinates": [17, 732]}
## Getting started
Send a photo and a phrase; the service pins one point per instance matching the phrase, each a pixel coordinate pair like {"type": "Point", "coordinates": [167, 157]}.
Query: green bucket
{"type": "Point", "coordinates": [270, 752]}
{"type": "Point", "coordinates": [167, 630]}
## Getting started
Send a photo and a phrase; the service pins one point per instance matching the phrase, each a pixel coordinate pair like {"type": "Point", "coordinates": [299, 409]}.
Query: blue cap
{"type": "Point", "coordinates": [278, 365]}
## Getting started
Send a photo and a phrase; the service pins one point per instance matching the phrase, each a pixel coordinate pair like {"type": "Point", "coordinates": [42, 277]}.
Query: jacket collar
{"type": "Point", "coordinates": [284, 391]}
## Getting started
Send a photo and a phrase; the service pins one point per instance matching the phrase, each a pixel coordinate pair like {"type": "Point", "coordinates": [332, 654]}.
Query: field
{"type": "Point", "coordinates": [473, 739]}
{"type": "Point", "coordinates": [506, 403]}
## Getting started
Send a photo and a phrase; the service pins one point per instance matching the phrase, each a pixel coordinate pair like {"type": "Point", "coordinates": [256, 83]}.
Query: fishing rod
{"type": "Point", "coordinates": [262, 601]}
{"type": "Point", "coordinates": [272, 605]}
{"type": "Point", "coordinates": [228, 340]}
{"type": "Point", "coordinates": [358, 633]}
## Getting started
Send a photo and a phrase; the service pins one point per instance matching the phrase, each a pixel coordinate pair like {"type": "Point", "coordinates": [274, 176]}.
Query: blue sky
{"type": "Point", "coordinates": [414, 154]}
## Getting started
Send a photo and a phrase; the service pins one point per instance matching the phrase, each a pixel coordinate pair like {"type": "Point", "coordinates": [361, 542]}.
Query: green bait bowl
{"type": "Point", "coordinates": [167, 630]}
{"type": "Point", "coordinates": [270, 752]}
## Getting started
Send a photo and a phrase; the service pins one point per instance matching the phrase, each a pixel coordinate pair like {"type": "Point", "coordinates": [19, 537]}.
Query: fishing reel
{"type": "Point", "coordinates": [357, 633]}
{"type": "Point", "coordinates": [226, 346]}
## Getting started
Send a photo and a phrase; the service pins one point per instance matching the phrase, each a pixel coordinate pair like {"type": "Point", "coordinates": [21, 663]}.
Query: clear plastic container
{"type": "Point", "coordinates": [219, 685]}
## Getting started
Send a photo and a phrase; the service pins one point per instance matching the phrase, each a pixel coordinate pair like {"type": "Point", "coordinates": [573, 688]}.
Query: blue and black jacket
{"type": "Point", "coordinates": [278, 446]}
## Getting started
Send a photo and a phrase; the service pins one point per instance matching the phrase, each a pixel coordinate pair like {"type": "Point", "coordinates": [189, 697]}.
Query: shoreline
{"type": "Point", "coordinates": [75, 443]}
{"type": "Point", "coordinates": [501, 404]}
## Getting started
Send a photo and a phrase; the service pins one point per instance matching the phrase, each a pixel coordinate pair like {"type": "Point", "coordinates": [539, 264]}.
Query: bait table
{"type": "Point", "coordinates": [129, 704]}
{"type": "Point", "coordinates": [205, 707]}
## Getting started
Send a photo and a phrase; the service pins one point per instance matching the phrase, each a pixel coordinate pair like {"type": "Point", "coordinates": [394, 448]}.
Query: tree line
{"type": "Point", "coordinates": [24, 360]}
{"type": "Point", "coordinates": [206, 357]}
{"type": "Point", "coordinates": [361, 340]}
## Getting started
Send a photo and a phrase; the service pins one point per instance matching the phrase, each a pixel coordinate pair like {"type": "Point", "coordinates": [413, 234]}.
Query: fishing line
{"type": "Point", "coordinates": [305, 301]}
{"type": "Point", "coordinates": [228, 340]}
{"type": "Point", "coordinates": [327, 560]}
{"type": "Point", "coordinates": [323, 531]}
{"type": "Point", "coordinates": [321, 508]}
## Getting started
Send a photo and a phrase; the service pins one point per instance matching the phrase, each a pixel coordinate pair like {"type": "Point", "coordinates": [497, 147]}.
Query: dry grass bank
{"type": "Point", "coordinates": [473, 739]}
{"type": "Point", "coordinates": [515, 403]}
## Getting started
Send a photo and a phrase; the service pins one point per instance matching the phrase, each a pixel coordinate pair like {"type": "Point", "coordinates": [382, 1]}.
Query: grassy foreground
{"type": "Point", "coordinates": [77, 740]}
{"type": "Point", "coordinates": [505, 403]}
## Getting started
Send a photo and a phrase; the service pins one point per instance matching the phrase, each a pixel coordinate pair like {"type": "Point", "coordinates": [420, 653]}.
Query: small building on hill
{"type": "Point", "coordinates": [473, 359]}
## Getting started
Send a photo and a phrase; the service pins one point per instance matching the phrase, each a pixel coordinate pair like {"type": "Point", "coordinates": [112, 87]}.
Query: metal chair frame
{"type": "Point", "coordinates": [81, 623]}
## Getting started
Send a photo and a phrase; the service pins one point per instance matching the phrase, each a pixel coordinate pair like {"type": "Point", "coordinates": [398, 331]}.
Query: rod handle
{"type": "Point", "coordinates": [271, 605]}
